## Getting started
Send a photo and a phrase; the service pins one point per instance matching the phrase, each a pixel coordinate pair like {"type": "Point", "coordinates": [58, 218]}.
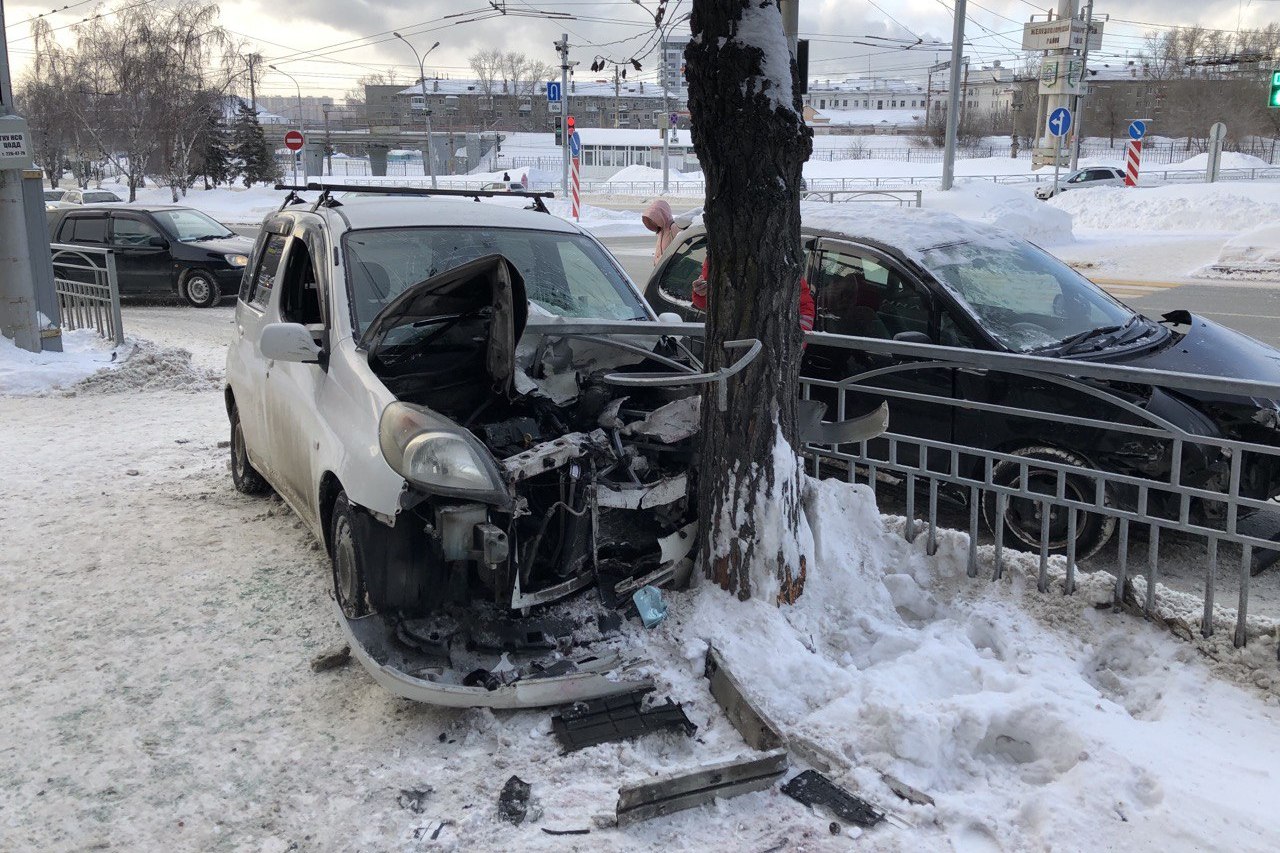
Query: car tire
{"type": "Point", "coordinates": [348, 553]}
{"type": "Point", "coordinates": [1021, 525]}
{"type": "Point", "coordinates": [243, 475]}
{"type": "Point", "coordinates": [200, 289]}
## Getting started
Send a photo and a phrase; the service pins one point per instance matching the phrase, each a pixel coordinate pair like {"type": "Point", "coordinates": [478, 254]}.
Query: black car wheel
{"type": "Point", "coordinates": [349, 584]}
{"type": "Point", "coordinates": [1023, 516]}
{"type": "Point", "coordinates": [201, 289]}
{"type": "Point", "coordinates": [243, 475]}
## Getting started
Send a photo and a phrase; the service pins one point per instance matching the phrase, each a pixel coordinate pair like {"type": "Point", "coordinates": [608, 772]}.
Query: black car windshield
{"type": "Point", "coordinates": [564, 274]}
{"type": "Point", "coordinates": [1024, 297]}
{"type": "Point", "coordinates": [187, 225]}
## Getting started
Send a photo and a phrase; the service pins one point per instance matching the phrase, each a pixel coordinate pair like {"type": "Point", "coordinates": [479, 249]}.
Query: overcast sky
{"type": "Point", "coordinates": [328, 44]}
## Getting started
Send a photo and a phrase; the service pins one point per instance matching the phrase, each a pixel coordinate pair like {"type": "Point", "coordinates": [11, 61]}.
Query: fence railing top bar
{"type": "Point", "coordinates": [1056, 366]}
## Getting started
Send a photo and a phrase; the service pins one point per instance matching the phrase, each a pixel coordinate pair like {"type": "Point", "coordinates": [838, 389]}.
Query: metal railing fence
{"type": "Point", "coordinates": [895, 198]}
{"type": "Point", "coordinates": [1205, 488]}
{"type": "Point", "coordinates": [88, 289]}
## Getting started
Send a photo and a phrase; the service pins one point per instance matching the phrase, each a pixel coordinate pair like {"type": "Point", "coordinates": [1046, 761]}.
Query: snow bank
{"type": "Point", "coordinates": [648, 175]}
{"type": "Point", "coordinates": [1230, 160]}
{"type": "Point", "coordinates": [233, 205]}
{"type": "Point", "coordinates": [83, 353]}
{"type": "Point", "coordinates": [1031, 719]}
{"type": "Point", "coordinates": [1011, 208]}
{"type": "Point", "coordinates": [1255, 254]}
{"type": "Point", "coordinates": [1222, 207]}
{"type": "Point", "coordinates": [149, 367]}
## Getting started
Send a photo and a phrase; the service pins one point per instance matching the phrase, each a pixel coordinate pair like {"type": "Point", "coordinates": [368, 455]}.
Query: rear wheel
{"type": "Point", "coordinates": [246, 479]}
{"type": "Point", "coordinates": [200, 289]}
{"type": "Point", "coordinates": [1021, 526]}
{"type": "Point", "coordinates": [349, 559]}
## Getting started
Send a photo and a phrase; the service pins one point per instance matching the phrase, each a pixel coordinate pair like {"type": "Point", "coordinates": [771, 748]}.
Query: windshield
{"type": "Point", "coordinates": [1026, 298]}
{"type": "Point", "coordinates": [99, 198]}
{"type": "Point", "coordinates": [564, 274]}
{"type": "Point", "coordinates": [188, 225]}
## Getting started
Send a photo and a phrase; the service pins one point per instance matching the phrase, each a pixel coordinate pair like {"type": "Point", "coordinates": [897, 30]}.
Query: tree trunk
{"type": "Point", "coordinates": [752, 142]}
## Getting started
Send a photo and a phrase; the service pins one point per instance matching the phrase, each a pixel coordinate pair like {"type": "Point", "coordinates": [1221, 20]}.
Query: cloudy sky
{"type": "Point", "coordinates": [328, 44]}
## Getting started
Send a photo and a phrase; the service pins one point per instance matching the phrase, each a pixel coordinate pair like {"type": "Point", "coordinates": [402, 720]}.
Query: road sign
{"type": "Point", "coordinates": [674, 118]}
{"type": "Point", "coordinates": [1275, 89]}
{"type": "Point", "coordinates": [1062, 33]}
{"type": "Point", "coordinates": [293, 140]}
{"type": "Point", "coordinates": [1060, 122]}
{"type": "Point", "coordinates": [1137, 129]}
{"type": "Point", "coordinates": [575, 144]}
{"type": "Point", "coordinates": [553, 93]}
{"type": "Point", "coordinates": [554, 108]}
{"type": "Point", "coordinates": [15, 144]}
{"type": "Point", "coordinates": [945, 64]}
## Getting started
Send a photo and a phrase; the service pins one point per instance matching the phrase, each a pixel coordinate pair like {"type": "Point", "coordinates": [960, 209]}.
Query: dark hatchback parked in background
{"type": "Point", "coordinates": [920, 276]}
{"type": "Point", "coordinates": [160, 249]}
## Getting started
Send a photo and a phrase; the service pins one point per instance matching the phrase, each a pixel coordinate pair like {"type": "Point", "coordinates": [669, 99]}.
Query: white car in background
{"type": "Point", "coordinates": [1092, 176]}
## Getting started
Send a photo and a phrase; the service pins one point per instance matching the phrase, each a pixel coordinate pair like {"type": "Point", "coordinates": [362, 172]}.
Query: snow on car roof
{"type": "Point", "coordinates": [401, 212]}
{"type": "Point", "coordinates": [910, 230]}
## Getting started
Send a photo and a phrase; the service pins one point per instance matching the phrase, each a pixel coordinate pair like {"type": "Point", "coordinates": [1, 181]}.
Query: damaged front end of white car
{"type": "Point", "coordinates": [540, 456]}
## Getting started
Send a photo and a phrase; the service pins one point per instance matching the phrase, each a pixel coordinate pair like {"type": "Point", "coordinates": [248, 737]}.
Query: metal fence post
{"type": "Point", "coordinates": [117, 324]}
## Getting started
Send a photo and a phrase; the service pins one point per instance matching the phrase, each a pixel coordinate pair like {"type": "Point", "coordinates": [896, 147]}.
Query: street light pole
{"type": "Point", "coordinates": [422, 79]}
{"type": "Point", "coordinates": [953, 97]}
{"type": "Point", "coordinates": [302, 128]}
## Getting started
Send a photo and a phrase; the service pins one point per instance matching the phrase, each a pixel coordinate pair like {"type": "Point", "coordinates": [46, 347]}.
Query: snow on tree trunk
{"type": "Point", "coordinates": [751, 140]}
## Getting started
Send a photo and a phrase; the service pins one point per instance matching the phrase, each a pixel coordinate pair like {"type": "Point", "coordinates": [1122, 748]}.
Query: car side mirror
{"type": "Point", "coordinates": [670, 317]}
{"type": "Point", "coordinates": [289, 342]}
{"type": "Point", "coordinates": [913, 338]}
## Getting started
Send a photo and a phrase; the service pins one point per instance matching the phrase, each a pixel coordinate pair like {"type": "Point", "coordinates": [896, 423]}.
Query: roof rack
{"type": "Point", "coordinates": [326, 189]}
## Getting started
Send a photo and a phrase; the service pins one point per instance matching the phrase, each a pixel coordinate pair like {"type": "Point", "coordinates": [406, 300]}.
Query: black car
{"type": "Point", "coordinates": [160, 249]}
{"type": "Point", "coordinates": [924, 277]}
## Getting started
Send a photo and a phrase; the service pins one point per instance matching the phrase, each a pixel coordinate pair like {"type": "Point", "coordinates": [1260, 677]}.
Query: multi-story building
{"type": "Point", "coordinates": [989, 96]}
{"type": "Point", "coordinates": [671, 74]}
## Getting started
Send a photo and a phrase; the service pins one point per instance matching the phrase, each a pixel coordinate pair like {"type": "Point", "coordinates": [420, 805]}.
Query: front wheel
{"type": "Point", "coordinates": [200, 289]}
{"type": "Point", "coordinates": [1021, 526]}
{"type": "Point", "coordinates": [350, 584]}
{"type": "Point", "coordinates": [243, 475]}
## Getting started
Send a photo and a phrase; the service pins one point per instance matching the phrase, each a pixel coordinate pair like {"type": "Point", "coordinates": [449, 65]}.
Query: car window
{"type": "Point", "coordinates": [564, 274]}
{"type": "Point", "coordinates": [191, 225]}
{"type": "Point", "coordinates": [264, 277]}
{"type": "Point", "coordinates": [1024, 297]}
{"type": "Point", "coordinates": [860, 295]}
{"type": "Point", "coordinates": [98, 198]}
{"type": "Point", "coordinates": [132, 232]}
{"type": "Point", "coordinates": [676, 281]}
{"type": "Point", "coordinates": [85, 229]}
{"type": "Point", "coordinates": [299, 288]}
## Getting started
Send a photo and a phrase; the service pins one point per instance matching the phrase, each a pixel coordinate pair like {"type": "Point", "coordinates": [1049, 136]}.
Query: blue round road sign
{"type": "Point", "coordinates": [575, 144]}
{"type": "Point", "coordinates": [1060, 121]}
{"type": "Point", "coordinates": [1137, 129]}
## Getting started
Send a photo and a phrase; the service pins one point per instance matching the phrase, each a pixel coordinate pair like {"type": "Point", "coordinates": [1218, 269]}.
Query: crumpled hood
{"type": "Point", "coordinates": [487, 288]}
{"type": "Point", "coordinates": [235, 245]}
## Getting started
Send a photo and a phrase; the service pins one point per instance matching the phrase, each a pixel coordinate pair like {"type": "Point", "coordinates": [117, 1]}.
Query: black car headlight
{"type": "Point", "coordinates": [434, 452]}
{"type": "Point", "coordinates": [237, 260]}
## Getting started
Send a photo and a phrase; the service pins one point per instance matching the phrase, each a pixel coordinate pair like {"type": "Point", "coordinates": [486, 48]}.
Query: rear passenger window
{"type": "Point", "coordinates": [85, 229]}
{"type": "Point", "coordinates": [676, 283]}
{"type": "Point", "coordinates": [264, 278]}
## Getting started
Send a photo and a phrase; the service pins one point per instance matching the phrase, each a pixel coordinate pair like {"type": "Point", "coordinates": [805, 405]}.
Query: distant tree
{"type": "Point", "coordinates": [214, 157]}
{"type": "Point", "coordinates": [249, 146]}
{"type": "Point", "coordinates": [487, 66]}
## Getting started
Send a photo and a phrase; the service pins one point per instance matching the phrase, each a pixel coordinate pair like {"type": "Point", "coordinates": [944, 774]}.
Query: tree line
{"type": "Point", "coordinates": [148, 90]}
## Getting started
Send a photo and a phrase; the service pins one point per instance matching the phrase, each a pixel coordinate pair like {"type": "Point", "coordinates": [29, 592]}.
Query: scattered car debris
{"type": "Point", "coordinates": [906, 792]}
{"type": "Point", "coordinates": [431, 831]}
{"type": "Point", "coordinates": [513, 802]}
{"type": "Point", "coordinates": [834, 828]}
{"type": "Point", "coordinates": [690, 789]}
{"type": "Point", "coordinates": [756, 729]}
{"type": "Point", "coordinates": [815, 790]}
{"type": "Point", "coordinates": [331, 659]}
{"type": "Point", "coordinates": [649, 605]}
{"type": "Point", "coordinates": [414, 799]}
{"type": "Point", "coordinates": [616, 718]}
{"type": "Point", "coordinates": [566, 831]}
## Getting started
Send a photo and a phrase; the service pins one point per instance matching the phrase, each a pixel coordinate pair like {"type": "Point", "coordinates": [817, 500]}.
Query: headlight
{"type": "Point", "coordinates": [431, 451]}
{"type": "Point", "coordinates": [237, 260]}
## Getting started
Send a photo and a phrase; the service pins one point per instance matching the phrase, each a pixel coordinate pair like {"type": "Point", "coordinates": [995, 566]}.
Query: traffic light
{"type": "Point", "coordinates": [569, 121]}
{"type": "Point", "coordinates": [1275, 90]}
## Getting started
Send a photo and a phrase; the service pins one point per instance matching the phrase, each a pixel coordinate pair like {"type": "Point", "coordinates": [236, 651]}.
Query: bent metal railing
{"type": "Point", "coordinates": [1203, 502]}
{"type": "Point", "coordinates": [88, 289]}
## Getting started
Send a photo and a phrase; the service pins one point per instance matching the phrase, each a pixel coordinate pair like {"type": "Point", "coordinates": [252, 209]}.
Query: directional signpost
{"type": "Point", "coordinates": [553, 98]}
{"type": "Point", "coordinates": [575, 169]}
{"type": "Point", "coordinates": [1059, 126]}
{"type": "Point", "coordinates": [1133, 152]}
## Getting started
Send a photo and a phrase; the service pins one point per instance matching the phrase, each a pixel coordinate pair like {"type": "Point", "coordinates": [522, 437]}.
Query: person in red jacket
{"type": "Point", "coordinates": [807, 309]}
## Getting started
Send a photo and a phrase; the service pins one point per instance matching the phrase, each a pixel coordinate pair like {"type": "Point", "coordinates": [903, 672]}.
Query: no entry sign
{"type": "Point", "coordinates": [293, 140]}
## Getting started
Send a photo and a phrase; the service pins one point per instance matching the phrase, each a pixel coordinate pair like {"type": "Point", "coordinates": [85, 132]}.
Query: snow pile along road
{"type": "Point", "coordinates": [84, 352]}
{"type": "Point", "coordinates": [148, 367]}
{"type": "Point", "coordinates": [1011, 208]}
{"type": "Point", "coordinates": [1228, 206]}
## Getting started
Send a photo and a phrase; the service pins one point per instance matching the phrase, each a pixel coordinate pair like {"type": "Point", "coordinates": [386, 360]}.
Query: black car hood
{"type": "Point", "coordinates": [1208, 349]}
{"type": "Point", "coordinates": [234, 245]}
{"type": "Point", "coordinates": [488, 291]}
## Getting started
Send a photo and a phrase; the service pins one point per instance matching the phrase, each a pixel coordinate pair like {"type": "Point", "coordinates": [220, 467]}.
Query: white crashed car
{"type": "Point", "coordinates": [1093, 176]}
{"type": "Point", "coordinates": [470, 405]}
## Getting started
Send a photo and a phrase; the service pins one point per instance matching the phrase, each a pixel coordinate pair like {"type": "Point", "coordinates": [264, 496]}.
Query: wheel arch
{"type": "Point", "coordinates": [330, 488]}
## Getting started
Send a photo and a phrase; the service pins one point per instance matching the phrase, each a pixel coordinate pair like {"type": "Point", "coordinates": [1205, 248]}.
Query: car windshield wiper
{"type": "Point", "coordinates": [210, 237]}
{"type": "Point", "coordinates": [1072, 343]}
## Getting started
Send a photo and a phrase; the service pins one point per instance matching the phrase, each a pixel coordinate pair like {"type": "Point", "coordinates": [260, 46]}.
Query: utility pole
{"type": "Point", "coordinates": [297, 155]}
{"type": "Point", "coordinates": [562, 47]}
{"type": "Point", "coordinates": [617, 93]}
{"type": "Point", "coordinates": [430, 153]}
{"type": "Point", "coordinates": [790, 23]}
{"type": "Point", "coordinates": [953, 97]}
{"type": "Point", "coordinates": [328, 149]}
{"type": "Point", "coordinates": [1077, 102]}
{"type": "Point", "coordinates": [964, 94]}
{"type": "Point", "coordinates": [252, 59]}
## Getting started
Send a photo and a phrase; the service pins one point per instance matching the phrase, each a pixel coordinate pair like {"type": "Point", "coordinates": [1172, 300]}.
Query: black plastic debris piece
{"type": "Point", "coordinates": [413, 799]}
{"type": "Point", "coordinates": [813, 789]}
{"type": "Point", "coordinates": [513, 802]}
{"type": "Point", "coordinates": [613, 718]}
{"type": "Point", "coordinates": [566, 831]}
